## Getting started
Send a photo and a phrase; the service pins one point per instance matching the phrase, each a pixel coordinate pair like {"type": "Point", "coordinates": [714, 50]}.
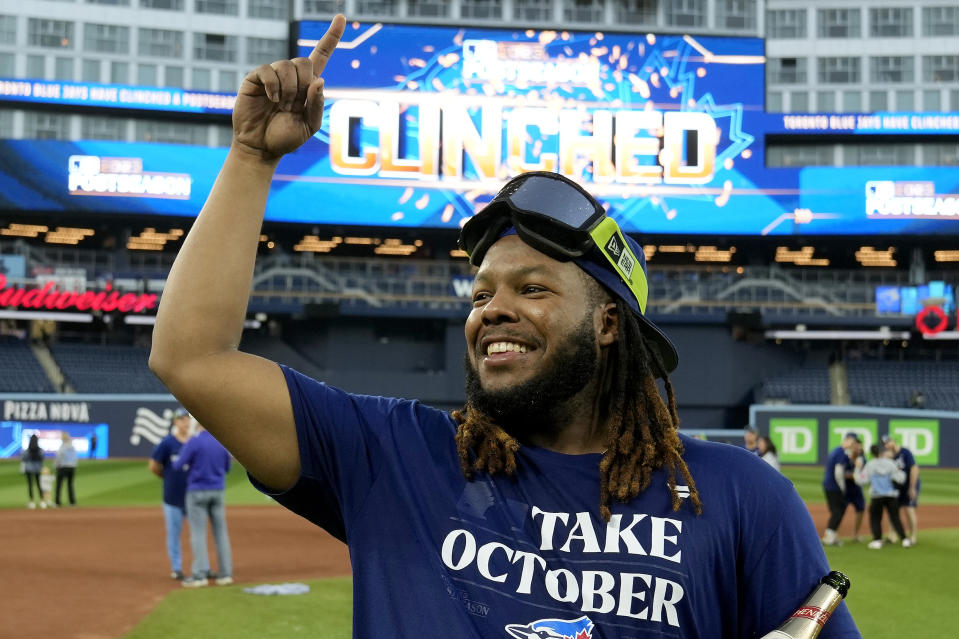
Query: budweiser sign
{"type": "Point", "coordinates": [49, 298]}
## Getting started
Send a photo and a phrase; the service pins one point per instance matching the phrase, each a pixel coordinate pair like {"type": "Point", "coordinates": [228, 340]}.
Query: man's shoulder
{"type": "Point", "coordinates": [166, 441]}
{"type": "Point", "coordinates": [729, 459]}
{"type": "Point", "coordinates": [307, 391]}
{"type": "Point", "coordinates": [712, 450]}
{"type": "Point", "coordinates": [837, 453]}
{"type": "Point", "coordinates": [738, 488]}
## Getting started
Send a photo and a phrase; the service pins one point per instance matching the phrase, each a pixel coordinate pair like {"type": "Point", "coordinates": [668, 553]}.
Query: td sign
{"type": "Point", "coordinates": [921, 436]}
{"type": "Point", "coordinates": [796, 438]}
{"type": "Point", "coordinates": [806, 434]}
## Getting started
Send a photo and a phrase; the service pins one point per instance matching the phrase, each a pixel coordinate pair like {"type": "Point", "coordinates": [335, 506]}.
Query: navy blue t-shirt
{"type": "Point", "coordinates": [435, 555]}
{"type": "Point", "coordinates": [837, 456]}
{"type": "Point", "coordinates": [906, 460]}
{"type": "Point", "coordinates": [174, 481]}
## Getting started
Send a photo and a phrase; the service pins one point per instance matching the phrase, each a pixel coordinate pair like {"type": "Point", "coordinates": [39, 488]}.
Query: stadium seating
{"type": "Point", "coordinates": [892, 384]}
{"type": "Point", "coordinates": [95, 368]}
{"type": "Point", "coordinates": [881, 383]}
{"type": "Point", "coordinates": [808, 384]}
{"type": "Point", "coordinates": [20, 372]}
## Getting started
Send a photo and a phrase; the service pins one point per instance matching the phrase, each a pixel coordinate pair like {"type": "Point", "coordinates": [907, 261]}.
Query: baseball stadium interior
{"type": "Point", "coordinates": [860, 313]}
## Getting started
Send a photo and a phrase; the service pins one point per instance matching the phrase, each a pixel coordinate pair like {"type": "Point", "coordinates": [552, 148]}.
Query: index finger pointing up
{"type": "Point", "coordinates": [324, 48]}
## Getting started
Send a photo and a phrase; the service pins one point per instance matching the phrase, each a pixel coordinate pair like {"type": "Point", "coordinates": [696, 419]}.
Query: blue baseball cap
{"type": "Point", "coordinates": [599, 268]}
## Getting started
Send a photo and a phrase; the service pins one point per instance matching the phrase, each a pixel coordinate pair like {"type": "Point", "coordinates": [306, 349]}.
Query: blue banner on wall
{"type": "Point", "coordinates": [101, 425]}
{"type": "Point", "coordinates": [423, 124]}
{"type": "Point", "coordinates": [114, 96]}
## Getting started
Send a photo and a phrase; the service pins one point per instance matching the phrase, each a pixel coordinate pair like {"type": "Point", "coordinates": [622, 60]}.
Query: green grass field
{"type": "Point", "coordinates": [120, 482]}
{"type": "Point", "coordinates": [895, 592]}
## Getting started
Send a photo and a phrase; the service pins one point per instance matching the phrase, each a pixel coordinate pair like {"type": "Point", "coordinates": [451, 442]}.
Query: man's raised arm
{"type": "Point", "coordinates": [241, 399]}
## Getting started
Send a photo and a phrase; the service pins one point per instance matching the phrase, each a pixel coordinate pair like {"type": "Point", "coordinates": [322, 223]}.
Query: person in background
{"type": "Point", "coordinates": [767, 450]}
{"type": "Point", "coordinates": [909, 490]}
{"type": "Point", "coordinates": [838, 469]}
{"type": "Point", "coordinates": [917, 400]}
{"type": "Point", "coordinates": [46, 486]}
{"type": "Point", "coordinates": [751, 439]}
{"type": "Point", "coordinates": [853, 494]}
{"type": "Point", "coordinates": [31, 464]}
{"type": "Point", "coordinates": [882, 475]}
{"type": "Point", "coordinates": [66, 465]}
{"type": "Point", "coordinates": [174, 486]}
{"type": "Point", "coordinates": [207, 462]}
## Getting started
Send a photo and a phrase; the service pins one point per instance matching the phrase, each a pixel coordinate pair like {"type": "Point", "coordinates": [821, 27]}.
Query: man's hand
{"type": "Point", "coordinates": [280, 106]}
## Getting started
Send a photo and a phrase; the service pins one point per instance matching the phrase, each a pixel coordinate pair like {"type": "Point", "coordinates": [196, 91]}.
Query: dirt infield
{"type": "Point", "coordinates": [931, 516]}
{"type": "Point", "coordinates": [96, 572]}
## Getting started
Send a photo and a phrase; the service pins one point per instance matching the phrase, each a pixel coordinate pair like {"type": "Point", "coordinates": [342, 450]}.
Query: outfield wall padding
{"type": "Point", "coordinates": [806, 434]}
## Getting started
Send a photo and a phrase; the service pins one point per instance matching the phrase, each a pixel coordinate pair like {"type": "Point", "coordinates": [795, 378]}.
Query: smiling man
{"type": "Point", "coordinates": [562, 500]}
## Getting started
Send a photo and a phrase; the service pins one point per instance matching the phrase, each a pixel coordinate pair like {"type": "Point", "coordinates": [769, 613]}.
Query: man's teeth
{"type": "Point", "coordinates": [505, 347]}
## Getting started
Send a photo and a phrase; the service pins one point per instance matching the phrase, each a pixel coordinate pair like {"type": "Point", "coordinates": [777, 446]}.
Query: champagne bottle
{"type": "Point", "coordinates": [809, 619]}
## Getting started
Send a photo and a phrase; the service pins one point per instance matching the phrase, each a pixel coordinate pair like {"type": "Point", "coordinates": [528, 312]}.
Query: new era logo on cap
{"type": "Point", "coordinates": [613, 245]}
{"type": "Point", "coordinates": [625, 261]}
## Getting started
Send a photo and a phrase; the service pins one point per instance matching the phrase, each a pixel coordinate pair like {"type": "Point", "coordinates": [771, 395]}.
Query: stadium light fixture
{"type": "Point", "coordinates": [836, 334]}
{"type": "Point", "coordinates": [81, 318]}
{"type": "Point", "coordinates": [150, 320]}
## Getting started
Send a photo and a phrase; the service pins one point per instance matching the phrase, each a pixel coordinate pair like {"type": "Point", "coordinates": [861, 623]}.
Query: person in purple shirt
{"type": "Point", "coordinates": [562, 500]}
{"type": "Point", "coordinates": [207, 463]}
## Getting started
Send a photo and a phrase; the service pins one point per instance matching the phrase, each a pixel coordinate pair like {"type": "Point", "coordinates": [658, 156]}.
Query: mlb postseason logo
{"type": "Point", "coordinates": [796, 438]}
{"type": "Point", "coordinates": [921, 436]}
{"type": "Point", "coordinates": [625, 261]}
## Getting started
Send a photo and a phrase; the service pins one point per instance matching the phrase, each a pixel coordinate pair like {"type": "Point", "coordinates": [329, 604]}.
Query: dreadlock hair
{"type": "Point", "coordinates": [642, 430]}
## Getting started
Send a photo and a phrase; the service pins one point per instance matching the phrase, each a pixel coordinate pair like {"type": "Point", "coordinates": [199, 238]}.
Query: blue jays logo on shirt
{"type": "Point", "coordinates": [581, 628]}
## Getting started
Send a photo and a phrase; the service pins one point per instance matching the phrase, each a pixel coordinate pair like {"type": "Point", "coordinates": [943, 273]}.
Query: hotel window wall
{"type": "Point", "coordinates": [686, 13]}
{"type": "Point", "coordinates": [890, 22]}
{"type": "Point", "coordinates": [838, 23]}
{"type": "Point", "coordinates": [782, 24]}
{"type": "Point", "coordinates": [481, 9]}
{"type": "Point", "coordinates": [50, 34]}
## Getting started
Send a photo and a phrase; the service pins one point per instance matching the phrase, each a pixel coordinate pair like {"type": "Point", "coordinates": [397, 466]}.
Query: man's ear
{"type": "Point", "coordinates": [609, 324]}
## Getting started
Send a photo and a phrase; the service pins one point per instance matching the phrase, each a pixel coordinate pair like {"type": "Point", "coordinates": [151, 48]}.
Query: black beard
{"type": "Point", "coordinates": [534, 405]}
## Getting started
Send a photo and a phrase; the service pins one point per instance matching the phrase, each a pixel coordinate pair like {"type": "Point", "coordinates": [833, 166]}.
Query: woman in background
{"type": "Point", "coordinates": [31, 463]}
{"type": "Point", "coordinates": [767, 450]}
{"type": "Point", "coordinates": [66, 465]}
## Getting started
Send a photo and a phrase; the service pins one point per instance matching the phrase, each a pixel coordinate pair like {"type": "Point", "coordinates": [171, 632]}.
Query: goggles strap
{"type": "Point", "coordinates": [609, 239]}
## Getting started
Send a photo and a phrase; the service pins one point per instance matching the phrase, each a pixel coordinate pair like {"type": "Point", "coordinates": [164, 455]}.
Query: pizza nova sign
{"type": "Point", "coordinates": [49, 298]}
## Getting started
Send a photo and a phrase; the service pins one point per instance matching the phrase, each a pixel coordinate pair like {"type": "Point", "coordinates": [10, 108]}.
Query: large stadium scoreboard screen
{"type": "Point", "coordinates": [439, 117]}
{"type": "Point", "coordinates": [423, 124]}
